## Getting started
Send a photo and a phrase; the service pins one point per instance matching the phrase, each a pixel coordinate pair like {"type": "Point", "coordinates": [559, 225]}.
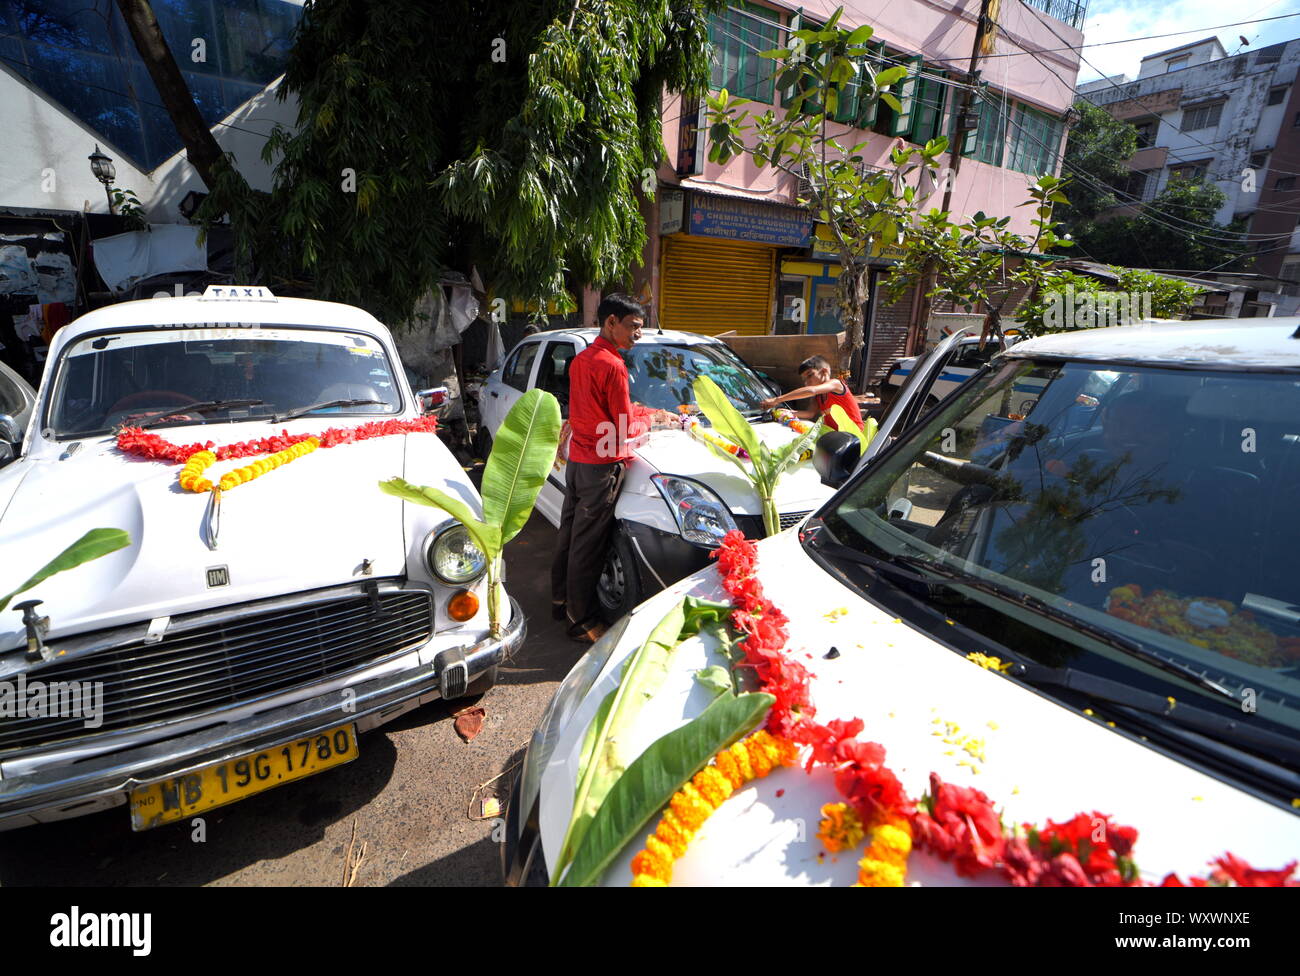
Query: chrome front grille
{"type": "Point", "coordinates": [236, 654]}
{"type": "Point", "coordinates": [792, 518]}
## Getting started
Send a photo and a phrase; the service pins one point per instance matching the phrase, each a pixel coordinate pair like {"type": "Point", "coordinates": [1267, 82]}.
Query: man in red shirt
{"type": "Point", "coordinates": [602, 420]}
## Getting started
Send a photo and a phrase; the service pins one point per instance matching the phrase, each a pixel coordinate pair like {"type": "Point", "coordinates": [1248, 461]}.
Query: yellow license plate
{"type": "Point", "coordinates": [225, 782]}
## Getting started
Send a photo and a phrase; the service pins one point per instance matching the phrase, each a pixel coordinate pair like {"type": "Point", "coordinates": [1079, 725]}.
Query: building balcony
{"type": "Point", "coordinates": [1071, 12]}
{"type": "Point", "coordinates": [1153, 157]}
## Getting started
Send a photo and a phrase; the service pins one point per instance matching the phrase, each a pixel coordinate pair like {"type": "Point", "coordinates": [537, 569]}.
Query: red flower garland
{"type": "Point", "coordinates": [142, 443]}
{"type": "Point", "coordinates": [955, 823]}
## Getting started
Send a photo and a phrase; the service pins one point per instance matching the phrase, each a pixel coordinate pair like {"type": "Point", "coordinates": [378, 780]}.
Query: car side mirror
{"type": "Point", "coordinates": [433, 398]}
{"type": "Point", "coordinates": [835, 457]}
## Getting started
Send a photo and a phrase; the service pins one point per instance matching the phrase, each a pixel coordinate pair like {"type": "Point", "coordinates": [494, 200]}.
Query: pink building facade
{"type": "Point", "coordinates": [729, 248]}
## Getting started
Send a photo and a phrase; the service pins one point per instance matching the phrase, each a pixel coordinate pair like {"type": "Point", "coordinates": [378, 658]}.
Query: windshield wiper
{"type": "Point", "coordinates": [1128, 698]}
{"type": "Point", "coordinates": [199, 406]}
{"type": "Point", "coordinates": [299, 411]}
{"type": "Point", "coordinates": [924, 572]}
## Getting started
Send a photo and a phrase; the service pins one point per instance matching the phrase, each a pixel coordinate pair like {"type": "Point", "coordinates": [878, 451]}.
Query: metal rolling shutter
{"type": "Point", "coordinates": [713, 286]}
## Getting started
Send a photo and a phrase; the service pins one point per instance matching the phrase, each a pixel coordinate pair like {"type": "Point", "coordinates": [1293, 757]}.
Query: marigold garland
{"type": "Point", "coordinates": [701, 433]}
{"type": "Point", "coordinates": [788, 418]}
{"type": "Point", "coordinates": [955, 823]}
{"type": "Point", "coordinates": [751, 758]}
{"type": "Point", "coordinates": [191, 476]}
{"type": "Point", "coordinates": [281, 448]}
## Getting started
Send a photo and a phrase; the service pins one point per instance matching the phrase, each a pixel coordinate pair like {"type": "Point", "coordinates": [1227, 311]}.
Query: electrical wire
{"type": "Point", "coordinates": [1197, 229]}
{"type": "Point", "coordinates": [1133, 40]}
{"type": "Point", "coordinates": [1108, 81]}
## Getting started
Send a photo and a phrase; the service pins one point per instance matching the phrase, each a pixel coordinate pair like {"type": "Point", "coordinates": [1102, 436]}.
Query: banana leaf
{"type": "Point", "coordinates": [726, 419]}
{"type": "Point", "coordinates": [92, 545]}
{"type": "Point", "coordinates": [659, 772]}
{"type": "Point", "coordinates": [642, 676]}
{"type": "Point", "coordinates": [486, 537]}
{"type": "Point", "coordinates": [699, 612]}
{"type": "Point", "coordinates": [845, 423]}
{"type": "Point", "coordinates": [523, 450]}
{"type": "Point", "coordinates": [787, 455]}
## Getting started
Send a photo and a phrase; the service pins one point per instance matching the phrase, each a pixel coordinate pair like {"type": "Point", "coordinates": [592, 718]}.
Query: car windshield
{"type": "Point", "coordinates": [1156, 505]}
{"type": "Point", "coordinates": [661, 375]}
{"type": "Point", "coordinates": [123, 378]}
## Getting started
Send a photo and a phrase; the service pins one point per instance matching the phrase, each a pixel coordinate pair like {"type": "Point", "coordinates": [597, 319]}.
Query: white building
{"type": "Point", "coordinates": [1230, 120]}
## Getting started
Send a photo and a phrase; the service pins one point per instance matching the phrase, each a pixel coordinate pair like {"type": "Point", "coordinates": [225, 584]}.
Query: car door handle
{"type": "Point", "coordinates": [495, 394]}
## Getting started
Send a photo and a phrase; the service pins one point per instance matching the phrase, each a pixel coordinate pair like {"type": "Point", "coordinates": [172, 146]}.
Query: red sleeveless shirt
{"type": "Point", "coordinates": [845, 399]}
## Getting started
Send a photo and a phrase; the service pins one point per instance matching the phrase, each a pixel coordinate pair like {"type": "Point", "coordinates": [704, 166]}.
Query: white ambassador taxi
{"type": "Point", "coordinates": [1079, 600]}
{"type": "Point", "coordinates": [241, 640]}
{"type": "Point", "coordinates": [678, 498]}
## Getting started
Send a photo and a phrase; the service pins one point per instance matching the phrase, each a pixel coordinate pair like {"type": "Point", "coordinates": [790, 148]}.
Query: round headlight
{"type": "Point", "coordinates": [454, 558]}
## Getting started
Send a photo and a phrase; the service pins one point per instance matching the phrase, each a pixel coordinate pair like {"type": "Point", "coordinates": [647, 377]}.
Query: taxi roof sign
{"type": "Point", "coordinates": [237, 293]}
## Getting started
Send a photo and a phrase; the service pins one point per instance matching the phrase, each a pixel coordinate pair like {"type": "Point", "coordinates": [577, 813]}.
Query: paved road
{"type": "Point", "coordinates": [405, 798]}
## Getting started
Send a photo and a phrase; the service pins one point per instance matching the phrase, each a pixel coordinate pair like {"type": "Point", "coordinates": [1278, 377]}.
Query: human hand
{"type": "Point", "coordinates": [768, 404]}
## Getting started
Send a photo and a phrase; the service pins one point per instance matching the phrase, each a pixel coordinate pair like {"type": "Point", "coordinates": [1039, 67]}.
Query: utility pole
{"type": "Point", "coordinates": [985, 32]}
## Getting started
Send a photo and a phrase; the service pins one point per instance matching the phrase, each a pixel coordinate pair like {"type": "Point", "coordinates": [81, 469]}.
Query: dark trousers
{"type": "Point", "coordinates": [586, 527]}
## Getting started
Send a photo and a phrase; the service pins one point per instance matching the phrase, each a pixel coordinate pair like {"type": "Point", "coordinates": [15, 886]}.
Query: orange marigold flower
{"type": "Point", "coordinates": [674, 834]}
{"type": "Point", "coordinates": [741, 756]}
{"type": "Point", "coordinates": [840, 829]}
{"type": "Point", "coordinates": [691, 808]}
{"type": "Point", "coordinates": [725, 763]}
{"type": "Point", "coordinates": [713, 786]}
{"type": "Point", "coordinates": [889, 843]}
{"type": "Point", "coordinates": [879, 874]}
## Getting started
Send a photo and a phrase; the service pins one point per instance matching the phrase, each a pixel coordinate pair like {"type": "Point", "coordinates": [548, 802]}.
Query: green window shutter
{"type": "Point", "coordinates": [796, 23]}
{"type": "Point", "coordinates": [906, 93]}
{"type": "Point", "coordinates": [867, 107]}
{"type": "Point", "coordinates": [737, 34]}
{"type": "Point", "coordinates": [927, 121]}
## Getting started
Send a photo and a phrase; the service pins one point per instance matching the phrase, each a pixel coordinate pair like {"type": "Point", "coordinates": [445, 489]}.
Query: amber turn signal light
{"type": "Point", "coordinates": [462, 606]}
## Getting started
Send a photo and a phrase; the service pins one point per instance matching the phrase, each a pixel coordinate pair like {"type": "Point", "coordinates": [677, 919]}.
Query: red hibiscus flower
{"type": "Point", "coordinates": [1242, 874]}
{"type": "Point", "coordinates": [960, 824]}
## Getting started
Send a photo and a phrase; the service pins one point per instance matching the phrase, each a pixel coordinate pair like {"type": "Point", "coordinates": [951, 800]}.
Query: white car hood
{"type": "Point", "coordinates": [307, 524]}
{"type": "Point", "coordinates": [919, 699]}
{"type": "Point", "coordinates": [676, 452]}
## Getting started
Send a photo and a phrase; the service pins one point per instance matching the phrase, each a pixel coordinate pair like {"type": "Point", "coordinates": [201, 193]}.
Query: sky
{"type": "Point", "coordinates": [1112, 20]}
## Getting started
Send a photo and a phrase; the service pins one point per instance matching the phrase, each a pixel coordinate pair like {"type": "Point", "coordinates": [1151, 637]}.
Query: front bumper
{"type": "Point", "coordinates": [93, 784]}
{"type": "Point", "coordinates": [664, 557]}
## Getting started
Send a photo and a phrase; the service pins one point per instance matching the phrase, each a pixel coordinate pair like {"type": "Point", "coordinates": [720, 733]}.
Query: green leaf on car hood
{"type": "Point", "coordinates": [659, 772]}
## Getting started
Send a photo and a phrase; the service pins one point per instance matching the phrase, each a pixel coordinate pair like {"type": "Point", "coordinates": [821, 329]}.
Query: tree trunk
{"type": "Point", "coordinates": [200, 146]}
{"type": "Point", "coordinates": [852, 293]}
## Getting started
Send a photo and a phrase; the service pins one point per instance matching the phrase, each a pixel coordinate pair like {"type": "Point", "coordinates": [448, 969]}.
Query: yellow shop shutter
{"type": "Point", "coordinates": [713, 286]}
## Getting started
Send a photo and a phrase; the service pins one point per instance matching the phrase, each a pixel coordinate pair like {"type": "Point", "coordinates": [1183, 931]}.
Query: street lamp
{"type": "Point", "coordinates": [102, 166]}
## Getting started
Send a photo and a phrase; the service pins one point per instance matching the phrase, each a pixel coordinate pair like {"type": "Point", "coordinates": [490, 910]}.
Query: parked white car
{"type": "Point", "coordinates": [961, 366]}
{"type": "Point", "coordinates": [678, 497]}
{"type": "Point", "coordinates": [17, 398]}
{"type": "Point", "coordinates": [1122, 540]}
{"type": "Point", "coordinates": [234, 646]}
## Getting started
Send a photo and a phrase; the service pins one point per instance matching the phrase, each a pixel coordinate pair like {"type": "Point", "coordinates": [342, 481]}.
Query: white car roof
{"type": "Point", "coordinates": [1219, 343]}
{"type": "Point", "coordinates": [201, 311]}
{"type": "Point", "coordinates": [648, 337]}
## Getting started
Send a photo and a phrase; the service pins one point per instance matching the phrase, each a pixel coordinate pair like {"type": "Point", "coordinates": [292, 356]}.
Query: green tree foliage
{"type": "Point", "coordinates": [979, 262]}
{"type": "Point", "coordinates": [1096, 155]}
{"type": "Point", "coordinates": [516, 137]}
{"type": "Point", "coordinates": [1081, 302]}
{"type": "Point", "coordinates": [862, 205]}
{"type": "Point", "coordinates": [1176, 231]}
